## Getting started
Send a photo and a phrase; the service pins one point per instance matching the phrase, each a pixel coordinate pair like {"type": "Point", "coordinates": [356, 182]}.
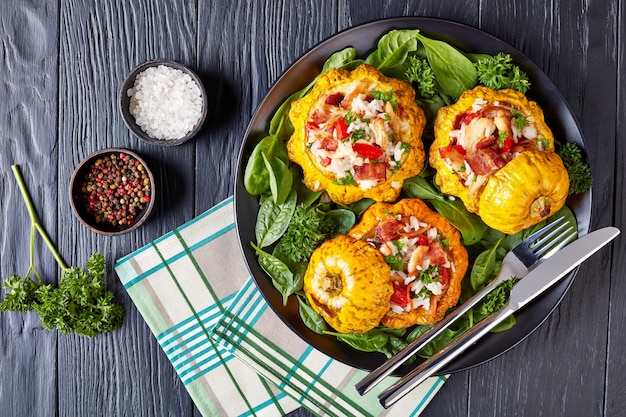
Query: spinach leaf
{"type": "Point", "coordinates": [417, 332]}
{"type": "Point", "coordinates": [358, 207]}
{"type": "Point", "coordinates": [484, 268]}
{"type": "Point", "coordinates": [367, 342]}
{"type": "Point", "coordinates": [343, 220]}
{"type": "Point", "coordinates": [306, 196]}
{"type": "Point", "coordinates": [469, 224]}
{"type": "Point", "coordinates": [298, 269]}
{"type": "Point", "coordinates": [273, 219]}
{"type": "Point", "coordinates": [390, 57]}
{"type": "Point", "coordinates": [393, 346]}
{"type": "Point", "coordinates": [454, 72]}
{"type": "Point", "coordinates": [311, 319]}
{"type": "Point", "coordinates": [282, 277]}
{"type": "Point", "coordinates": [280, 179]}
{"type": "Point", "coordinates": [339, 59]}
{"type": "Point", "coordinates": [505, 325]}
{"type": "Point", "coordinates": [420, 187]}
{"type": "Point", "coordinates": [256, 178]}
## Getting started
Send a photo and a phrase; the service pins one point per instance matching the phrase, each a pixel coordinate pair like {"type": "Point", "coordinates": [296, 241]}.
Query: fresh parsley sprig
{"type": "Point", "coordinates": [420, 73]}
{"type": "Point", "coordinates": [498, 72]}
{"type": "Point", "coordinates": [79, 304]}
{"type": "Point", "coordinates": [579, 173]}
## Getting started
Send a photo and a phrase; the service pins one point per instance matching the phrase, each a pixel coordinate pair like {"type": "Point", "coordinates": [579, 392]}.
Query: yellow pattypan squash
{"type": "Point", "coordinates": [357, 134]}
{"type": "Point", "coordinates": [494, 150]}
{"type": "Point", "coordinates": [347, 283]}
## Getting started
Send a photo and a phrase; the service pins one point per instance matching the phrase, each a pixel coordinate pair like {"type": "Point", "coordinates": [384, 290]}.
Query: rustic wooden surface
{"type": "Point", "coordinates": [62, 63]}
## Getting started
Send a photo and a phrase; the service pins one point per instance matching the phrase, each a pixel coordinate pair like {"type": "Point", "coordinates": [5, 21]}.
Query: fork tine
{"type": "Point", "coordinates": [535, 237]}
{"type": "Point", "coordinates": [549, 232]}
{"type": "Point", "coordinates": [545, 237]}
{"type": "Point", "coordinates": [547, 250]}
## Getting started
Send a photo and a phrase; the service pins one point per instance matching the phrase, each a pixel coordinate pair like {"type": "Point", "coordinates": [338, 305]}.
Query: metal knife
{"type": "Point", "coordinates": [533, 284]}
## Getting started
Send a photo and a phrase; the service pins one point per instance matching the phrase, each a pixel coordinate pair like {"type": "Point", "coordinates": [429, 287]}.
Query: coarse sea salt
{"type": "Point", "coordinates": [165, 102]}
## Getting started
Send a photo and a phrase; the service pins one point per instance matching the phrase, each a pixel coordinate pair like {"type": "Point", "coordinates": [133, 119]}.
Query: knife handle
{"type": "Point", "coordinates": [436, 362]}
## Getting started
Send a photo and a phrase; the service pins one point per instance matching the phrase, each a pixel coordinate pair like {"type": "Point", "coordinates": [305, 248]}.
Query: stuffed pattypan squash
{"type": "Point", "coordinates": [347, 283]}
{"type": "Point", "coordinates": [357, 134]}
{"type": "Point", "coordinates": [494, 150]}
{"type": "Point", "coordinates": [426, 258]}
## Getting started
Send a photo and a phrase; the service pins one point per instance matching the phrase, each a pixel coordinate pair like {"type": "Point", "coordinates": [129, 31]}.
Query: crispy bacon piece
{"type": "Point", "coordinates": [318, 118]}
{"type": "Point", "coordinates": [329, 144]}
{"type": "Point", "coordinates": [485, 161]}
{"type": "Point", "coordinates": [375, 171]}
{"type": "Point", "coordinates": [485, 143]}
{"type": "Point", "coordinates": [334, 99]}
{"type": "Point", "coordinates": [436, 254]}
{"type": "Point", "coordinates": [388, 230]}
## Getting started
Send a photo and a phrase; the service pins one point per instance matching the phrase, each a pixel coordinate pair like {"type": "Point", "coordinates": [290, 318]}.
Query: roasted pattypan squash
{"type": "Point", "coordinates": [347, 283]}
{"type": "Point", "coordinates": [494, 150]}
{"type": "Point", "coordinates": [357, 134]}
{"type": "Point", "coordinates": [426, 258]}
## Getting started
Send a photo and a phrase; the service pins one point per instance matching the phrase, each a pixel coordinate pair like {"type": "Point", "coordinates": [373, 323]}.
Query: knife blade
{"type": "Point", "coordinates": [535, 283]}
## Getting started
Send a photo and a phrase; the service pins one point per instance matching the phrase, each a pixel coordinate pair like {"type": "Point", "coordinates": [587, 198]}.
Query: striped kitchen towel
{"type": "Point", "coordinates": [232, 353]}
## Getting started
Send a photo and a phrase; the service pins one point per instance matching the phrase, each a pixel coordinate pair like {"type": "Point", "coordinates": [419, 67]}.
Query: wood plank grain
{"type": "Point", "coordinates": [126, 372]}
{"type": "Point", "coordinates": [615, 395]}
{"type": "Point", "coordinates": [28, 87]}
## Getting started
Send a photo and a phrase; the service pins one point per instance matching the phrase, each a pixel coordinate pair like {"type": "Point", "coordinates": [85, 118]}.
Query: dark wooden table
{"type": "Point", "coordinates": [63, 62]}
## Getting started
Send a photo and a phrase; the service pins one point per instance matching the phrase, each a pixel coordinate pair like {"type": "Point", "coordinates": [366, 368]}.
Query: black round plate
{"type": "Point", "coordinates": [365, 38]}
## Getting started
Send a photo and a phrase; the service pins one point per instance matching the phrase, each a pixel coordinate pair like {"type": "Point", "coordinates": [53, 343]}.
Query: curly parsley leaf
{"type": "Point", "coordinates": [497, 299]}
{"type": "Point", "coordinates": [498, 72]}
{"type": "Point", "coordinates": [308, 228]}
{"type": "Point", "coordinates": [421, 74]}
{"type": "Point", "coordinates": [580, 179]}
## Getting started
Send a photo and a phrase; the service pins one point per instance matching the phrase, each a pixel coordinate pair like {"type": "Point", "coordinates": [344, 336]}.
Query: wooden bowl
{"type": "Point", "coordinates": [85, 199]}
{"type": "Point", "coordinates": [129, 119]}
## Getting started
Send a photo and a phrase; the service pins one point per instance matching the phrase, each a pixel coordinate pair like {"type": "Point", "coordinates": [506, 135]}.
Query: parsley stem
{"type": "Point", "coordinates": [35, 225]}
{"type": "Point", "coordinates": [32, 267]}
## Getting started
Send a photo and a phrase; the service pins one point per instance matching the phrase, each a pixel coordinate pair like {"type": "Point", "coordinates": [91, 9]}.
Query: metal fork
{"type": "Point", "coordinates": [517, 263]}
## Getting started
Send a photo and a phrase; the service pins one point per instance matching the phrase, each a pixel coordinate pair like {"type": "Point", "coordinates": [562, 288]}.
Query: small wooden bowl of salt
{"type": "Point", "coordinates": [163, 102]}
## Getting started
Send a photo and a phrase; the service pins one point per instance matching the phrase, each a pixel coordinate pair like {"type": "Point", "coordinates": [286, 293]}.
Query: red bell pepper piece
{"type": "Point", "coordinates": [366, 150]}
{"type": "Point", "coordinates": [341, 129]}
{"type": "Point", "coordinates": [400, 295]}
{"type": "Point", "coordinates": [506, 144]}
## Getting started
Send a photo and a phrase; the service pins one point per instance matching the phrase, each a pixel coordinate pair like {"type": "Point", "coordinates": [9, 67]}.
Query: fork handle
{"type": "Point", "coordinates": [380, 373]}
{"type": "Point", "coordinates": [402, 387]}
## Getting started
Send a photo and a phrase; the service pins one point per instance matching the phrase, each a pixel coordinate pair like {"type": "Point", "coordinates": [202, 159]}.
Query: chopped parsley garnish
{"type": "Point", "coordinates": [350, 117]}
{"type": "Point", "coordinates": [394, 262]}
{"type": "Point", "coordinates": [358, 134]}
{"type": "Point", "coordinates": [520, 121]}
{"type": "Point", "coordinates": [399, 244]}
{"type": "Point", "coordinates": [543, 142]}
{"type": "Point", "coordinates": [386, 97]}
{"type": "Point", "coordinates": [443, 242]}
{"type": "Point", "coordinates": [502, 135]}
{"type": "Point", "coordinates": [348, 179]}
